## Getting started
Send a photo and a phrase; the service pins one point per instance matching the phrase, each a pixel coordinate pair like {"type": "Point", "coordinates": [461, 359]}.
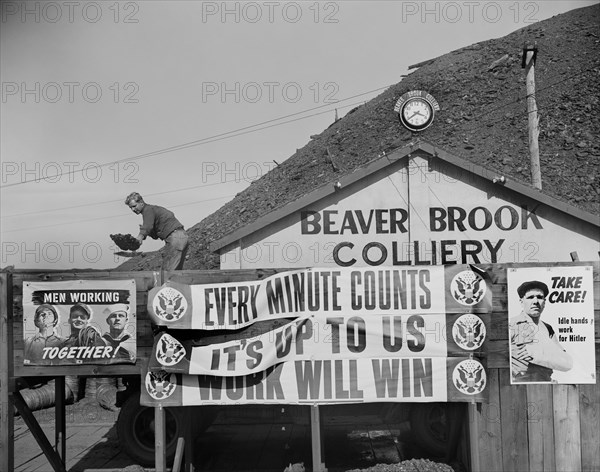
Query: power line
{"type": "Point", "coordinates": [210, 139]}
{"type": "Point", "coordinates": [520, 98]}
{"type": "Point", "coordinates": [108, 201]}
{"type": "Point", "coordinates": [110, 217]}
{"type": "Point", "coordinates": [177, 190]}
{"type": "Point", "coordinates": [247, 130]}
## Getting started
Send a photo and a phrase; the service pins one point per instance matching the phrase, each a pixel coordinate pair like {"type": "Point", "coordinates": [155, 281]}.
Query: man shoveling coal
{"type": "Point", "coordinates": [160, 223]}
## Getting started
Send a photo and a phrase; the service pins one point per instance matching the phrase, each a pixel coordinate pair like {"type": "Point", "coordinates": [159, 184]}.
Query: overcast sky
{"type": "Point", "coordinates": [188, 102]}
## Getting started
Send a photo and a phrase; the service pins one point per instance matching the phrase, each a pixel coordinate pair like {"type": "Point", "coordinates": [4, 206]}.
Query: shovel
{"type": "Point", "coordinates": [128, 253]}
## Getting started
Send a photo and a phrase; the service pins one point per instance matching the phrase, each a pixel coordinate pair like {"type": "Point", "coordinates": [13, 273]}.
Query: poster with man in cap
{"type": "Point", "coordinates": [551, 325]}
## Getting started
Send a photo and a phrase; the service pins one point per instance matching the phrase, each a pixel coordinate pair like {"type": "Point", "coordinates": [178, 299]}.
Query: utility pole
{"type": "Point", "coordinates": [528, 63]}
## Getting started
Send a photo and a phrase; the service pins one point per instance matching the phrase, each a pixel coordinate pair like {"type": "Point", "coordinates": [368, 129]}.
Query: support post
{"type": "Point", "coordinates": [188, 432]}
{"type": "Point", "coordinates": [54, 460]}
{"type": "Point", "coordinates": [178, 455]}
{"type": "Point", "coordinates": [7, 429]}
{"type": "Point", "coordinates": [160, 453]}
{"type": "Point", "coordinates": [474, 437]}
{"type": "Point", "coordinates": [315, 433]}
{"type": "Point", "coordinates": [60, 443]}
{"type": "Point", "coordinates": [529, 56]}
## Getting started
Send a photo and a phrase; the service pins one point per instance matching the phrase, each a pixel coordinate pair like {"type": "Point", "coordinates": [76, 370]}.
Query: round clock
{"type": "Point", "coordinates": [416, 114]}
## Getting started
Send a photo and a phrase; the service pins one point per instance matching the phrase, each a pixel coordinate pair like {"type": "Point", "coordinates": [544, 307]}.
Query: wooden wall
{"type": "Point", "coordinates": [520, 428]}
{"type": "Point", "coordinates": [535, 427]}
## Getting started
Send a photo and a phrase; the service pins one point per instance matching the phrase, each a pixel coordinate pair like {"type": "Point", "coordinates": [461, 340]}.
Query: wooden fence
{"type": "Point", "coordinates": [520, 428]}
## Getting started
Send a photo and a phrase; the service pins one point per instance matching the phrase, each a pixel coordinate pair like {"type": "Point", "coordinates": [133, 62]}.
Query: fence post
{"type": "Point", "coordinates": [7, 431]}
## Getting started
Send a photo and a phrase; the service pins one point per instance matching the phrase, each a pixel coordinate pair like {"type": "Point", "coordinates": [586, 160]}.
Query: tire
{"type": "Point", "coordinates": [135, 427]}
{"type": "Point", "coordinates": [430, 425]}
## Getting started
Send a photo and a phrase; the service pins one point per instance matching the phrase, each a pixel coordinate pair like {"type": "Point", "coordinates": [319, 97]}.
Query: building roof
{"type": "Point", "coordinates": [388, 159]}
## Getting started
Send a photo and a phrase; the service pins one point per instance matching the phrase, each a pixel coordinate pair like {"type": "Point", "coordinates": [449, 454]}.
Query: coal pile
{"type": "Point", "coordinates": [126, 242]}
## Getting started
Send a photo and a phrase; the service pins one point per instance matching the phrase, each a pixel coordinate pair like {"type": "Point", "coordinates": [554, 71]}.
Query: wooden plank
{"type": "Point", "coordinates": [39, 435]}
{"type": "Point", "coordinates": [160, 439]}
{"type": "Point", "coordinates": [218, 276]}
{"type": "Point", "coordinates": [90, 445]}
{"type": "Point", "coordinates": [475, 437]}
{"type": "Point", "coordinates": [513, 418]}
{"type": "Point", "coordinates": [189, 440]}
{"type": "Point", "coordinates": [489, 429]}
{"type": "Point", "coordinates": [6, 372]}
{"type": "Point", "coordinates": [315, 433]}
{"type": "Point", "coordinates": [116, 370]}
{"type": "Point", "coordinates": [540, 428]}
{"type": "Point", "coordinates": [589, 414]}
{"type": "Point", "coordinates": [567, 431]}
{"type": "Point", "coordinates": [60, 431]}
{"type": "Point", "coordinates": [178, 454]}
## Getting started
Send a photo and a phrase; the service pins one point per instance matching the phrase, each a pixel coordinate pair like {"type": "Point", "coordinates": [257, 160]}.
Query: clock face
{"type": "Point", "coordinates": [417, 113]}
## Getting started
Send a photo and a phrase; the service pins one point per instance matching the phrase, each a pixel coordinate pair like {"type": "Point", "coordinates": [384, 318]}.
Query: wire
{"type": "Point", "coordinates": [210, 139]}
{"type": "Point", "coordinates": [176, 190]}
{"type": "Point", "coordinates": [481, 118]}
{"type": "Point", "coordinates": [108, 201]}
{"type": "Point", "coordinates": [259, 127]}
{"type": "Point", "coordinates": [110, 217]}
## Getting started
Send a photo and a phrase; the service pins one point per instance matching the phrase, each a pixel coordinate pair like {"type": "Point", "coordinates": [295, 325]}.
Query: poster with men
{"type": "Point", "coordinates": [551, 325]}
{"type": "Point", "coordinates": [79, 322]}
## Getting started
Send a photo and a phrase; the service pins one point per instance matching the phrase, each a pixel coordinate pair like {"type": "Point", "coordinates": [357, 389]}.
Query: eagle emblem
{"type": "Point", "coordinates": [469, 377]}
{"type": "Point", "coordinates": [169, 351]}
{"type": "Point", "coordinates": [169, 304]}
{"type": "Point", "coordinates": [469, 332]}
{"type": "Point", "coordinates": [468, 288]}
{"type": "Point", "coordinates": [160, 385]}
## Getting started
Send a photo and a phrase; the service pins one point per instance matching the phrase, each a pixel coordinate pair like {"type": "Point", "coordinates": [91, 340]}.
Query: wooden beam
{"type": "Point", "coordinates": [7, 430]}
{"type": "Point", "coordinates": [37, 432]}
{"type": "Point", "coordinates": [60, 430]}
{"type": "Point", "coordinates": [188, 432]}
{"type": "Point", "coordinates": [315, 433]}
{"type": "Point", "coordinates": [474, 436]}
{"type": "Point", "coordinates": [533, 122]}
{"type": "Point", "coordinates": [540, 428]}
{"type": "Point", "coordinates": [567, 427]}
{"type": "Point", "coordinates": [421, 64]}
{"type": "Point", "coordinates": [589, 414]}
{"type": "Point", "coordinates": [178, 454]}
{"type": "Point", "coordinates": [160, 435]}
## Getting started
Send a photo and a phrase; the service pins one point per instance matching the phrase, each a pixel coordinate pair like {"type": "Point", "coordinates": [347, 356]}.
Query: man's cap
{"type": "Point", "coordinates": [530, 285]}
{"type": "Point", "coordinates": [46, 306]}
{"type": "Point", "coordinates": [110, 309]}
{"type": "Point", "coordinates": [81, 308]}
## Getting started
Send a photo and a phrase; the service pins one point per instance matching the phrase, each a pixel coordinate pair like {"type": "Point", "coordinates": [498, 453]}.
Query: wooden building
{"type": "Point", "coordinates": [422, 206]}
